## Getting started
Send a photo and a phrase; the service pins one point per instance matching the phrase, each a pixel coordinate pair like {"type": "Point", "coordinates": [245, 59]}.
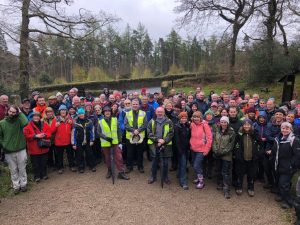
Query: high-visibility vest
{"type": "Point", "coordinates": [166, 131]}
{"type": "Point", "coordinates": [140, 121]}
{"type": "Point", "coordinates": [111, 132]}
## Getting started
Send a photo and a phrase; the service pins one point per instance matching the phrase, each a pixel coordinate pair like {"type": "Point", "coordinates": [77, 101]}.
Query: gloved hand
{"type": "Point", "coordinates": [91, 143]}
{"type": "Point", "coordinates": [109, 139]}
{"type": "Point", "coordinates": [120, 146]}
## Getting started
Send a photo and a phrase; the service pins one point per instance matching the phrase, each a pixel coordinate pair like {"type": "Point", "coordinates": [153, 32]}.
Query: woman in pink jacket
{"type": "Point", "coordinates": [201, 141]}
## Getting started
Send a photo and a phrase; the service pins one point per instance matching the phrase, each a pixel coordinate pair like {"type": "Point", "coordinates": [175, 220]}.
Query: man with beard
{"type": "Point", "coordinates": [52, 102]}
{"type": "Point", "coordinates": [14, 146]}
{"type": "Point", "coordinates": [40, 106]}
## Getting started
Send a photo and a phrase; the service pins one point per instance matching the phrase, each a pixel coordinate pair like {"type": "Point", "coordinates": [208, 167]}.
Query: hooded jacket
{"type": "Point", "coordinates": [32, 142]}
{"type": "Point", "coordinates": [12, 138]}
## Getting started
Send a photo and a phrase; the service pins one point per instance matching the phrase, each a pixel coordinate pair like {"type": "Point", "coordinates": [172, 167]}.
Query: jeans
{"type": "Point", "coordinates": [17, 166]}
{"type": "Point", "coordinates": [39, 165]}
{"type": "Point", "coordinates": [197, 162]}
{"type": "Point", "coordinates": [163, 167]}
{"type": "Point", "coordinates": [182, 169]}
{"type": "Point", "coordinates": [224, 170]}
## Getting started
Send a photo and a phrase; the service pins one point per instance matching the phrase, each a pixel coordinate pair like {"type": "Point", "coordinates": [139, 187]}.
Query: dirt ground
{"type": "Point", "coordinates": [89, 198]}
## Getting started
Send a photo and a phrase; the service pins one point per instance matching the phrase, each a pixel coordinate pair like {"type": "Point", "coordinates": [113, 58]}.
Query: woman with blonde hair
{"type": "Point", "coordinates": [48, 119]}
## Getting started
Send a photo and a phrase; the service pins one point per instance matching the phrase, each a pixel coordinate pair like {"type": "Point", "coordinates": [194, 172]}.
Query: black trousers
{"type": "Point", "coordinates": [85, 152]}
{"type": "Point", "coordinates": [60, 156]}
{"type": "Point", "coordinates": [39, 165]}
{"type": "Point", "coordinates": [174, 158]}
{"type": "Point", "coordinates": [51, 156]}
{"type": "Point", "coordinates": [245, 168]}
{"type": "Point", "coordinates": [269, 171]}
{"type": "Point", "coordinates": [132, 150]}
{"type": "Point", "coordinates": [284, 186]}
{"type": "Point", "coordinates": [96, 148]}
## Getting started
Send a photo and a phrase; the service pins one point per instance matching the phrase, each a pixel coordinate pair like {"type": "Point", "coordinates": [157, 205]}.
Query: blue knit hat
{"type": "Point", "coordinates": [80, 111]}
{"type": "Point", "coordinates": [62, 107]}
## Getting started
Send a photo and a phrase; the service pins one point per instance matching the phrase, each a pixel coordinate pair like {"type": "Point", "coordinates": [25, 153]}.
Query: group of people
{"type": "Point", "coordinates": [226, 135]}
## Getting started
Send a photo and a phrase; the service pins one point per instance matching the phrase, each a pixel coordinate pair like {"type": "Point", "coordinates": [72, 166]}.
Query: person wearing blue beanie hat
{"type": "Point", "coordinates": [247, 121]}
{"type": "Point", "coordinates": [80, 111]}
{"type": "Point", "coordinates": [62, 107]}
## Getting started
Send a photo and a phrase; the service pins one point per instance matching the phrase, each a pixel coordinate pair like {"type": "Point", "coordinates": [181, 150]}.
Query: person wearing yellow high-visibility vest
{"type": "Point", "coordinates": [160, 133]}
{"type": "Point", "coordinates": [110, 137]}
{"type": "Point", "coordinates": [135, 124]}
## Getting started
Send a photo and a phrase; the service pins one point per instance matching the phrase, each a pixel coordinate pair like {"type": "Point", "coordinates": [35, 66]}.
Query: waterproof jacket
{"type": "Point", "coordinates": [224, 143]}
{"type": "Point", "coordinates": [30, 132]}
{"type": "Point", "coordinates": [182, 136]}
{"type": "Point", "coordinates": [202, 105]}
{"type": "Point", "coordinates": [273, 131]}
{"type": "Point", "coordinates": [63, 131]}
{"type": "Point", "coordinates": [201, 137]}
{"type": "Point", "coordinates": [12, 138]}
{"type": "Point", "coordinates": [82, 132]}
{"type": "Point", "coordinates": [286, 154]}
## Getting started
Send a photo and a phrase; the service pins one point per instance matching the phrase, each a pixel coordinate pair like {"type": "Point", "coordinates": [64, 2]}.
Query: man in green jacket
{"type": "Point", "coordinates": [13, 143]}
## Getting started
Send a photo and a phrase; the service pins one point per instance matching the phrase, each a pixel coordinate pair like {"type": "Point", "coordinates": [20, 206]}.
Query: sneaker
{"type": "Point", "coordinates": [94, 169]}
{"type": "Point", "coordinates": [81, 170]}
{"type": "Point", "coordinates": [73, 169]}
{"type": "Point", "coordinates": [123, 176]}
{"type": "Point", "coordinates": [24, 189]}
{"type": "Point", "coordinates": [200, 184]}
{"type": "Point", "coordinates": [45, 177]}
{"type": "Point", "coordinates": [239, 191]}
{"type": "Point", "coordinates": [37, 180]}
{"type": "Point", "coordinates": [227, 195]}
{"type": "Point", "coordinates": [151, 180]}
{"type": "Point", "coordinates": [185, 187]}
{"type": "Point", "coordinates": [60, 171]}
{"type": "Point", "coordinates": [251, 193]}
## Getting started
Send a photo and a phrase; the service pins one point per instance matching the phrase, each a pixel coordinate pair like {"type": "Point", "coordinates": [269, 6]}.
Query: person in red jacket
{"type": "Point", "coordinates": [62, 127]}
{"type": "Point", "coordinates": [35, 130]}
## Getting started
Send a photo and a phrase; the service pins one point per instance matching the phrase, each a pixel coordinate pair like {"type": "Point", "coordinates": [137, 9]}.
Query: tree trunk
{"type": "Point", "coordinates": [24, 51]}
{"type": "Point", "coordinates": [235, 34]}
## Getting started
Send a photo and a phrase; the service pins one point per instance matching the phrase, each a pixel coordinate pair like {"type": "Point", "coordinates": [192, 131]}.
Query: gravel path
{"type": "Point", "coordinates": [89, 198]}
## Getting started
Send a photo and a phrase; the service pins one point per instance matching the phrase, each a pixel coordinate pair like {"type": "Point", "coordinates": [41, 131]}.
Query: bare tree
{"type": "Point", "coordinates": [50, 19]}
{"type": "Point", "coordinates": [234, 12]}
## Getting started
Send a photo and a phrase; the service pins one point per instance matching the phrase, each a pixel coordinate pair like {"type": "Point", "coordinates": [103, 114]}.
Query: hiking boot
{"type": "Point", "coordinates": [239, 191]}
{"type": "Point", "coordinates": [128, 170]}
{"type": "Point", "coordinates": [227, 195]}
{"type": "Point", "coordinates": [200, 184]}
{"type": "Point", "coordinates": [278, 198]}
{"type": "Point", "coordinates": [108, 175]}
{"type": "Point", "coordinates": [24, 189]}
{"type": "Point", "coordinates": [60, 171]}
{"type": "Point", "coordinates": [167, 181]}
{"type": "Point", "coordinates": [251, 193]}
{"type": "Point", "coordinates": [73, 169]}
{"type": "Point", "coordinates": [185, 187]}
{"type": "Point", "coordinates": [151, 180]}
{"type": "Point", "coordinates": [141, 170]}
{"type": "Point", "coordinates": [267, 186]}
{"type": "Point", "coordinates": [81, 170]}
{"type": "Point", "coordinates": [16, 191]}
{"type": "Point", "coordinates": [285, 205]}
{"type": "Point", "coordinates": [123, 176]}
{"type": "Point", "coordinates": [37, 180]}
{"type": "Point", "coordinates": [45, 177]}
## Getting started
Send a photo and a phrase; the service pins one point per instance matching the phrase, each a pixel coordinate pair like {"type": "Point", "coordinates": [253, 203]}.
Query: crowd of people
{"type": "Point", "coordinates": [227, 136]}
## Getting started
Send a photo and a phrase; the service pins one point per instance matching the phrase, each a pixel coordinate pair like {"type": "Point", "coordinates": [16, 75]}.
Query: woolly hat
{"type": "Point", "coordinates": [247, 121]}
{"type": "Point", "coordinates": [106, 108]}
{"type": "Point", "coordinates": [183, 114]}
{"type": "Point", "coordinates": [209, 112]}
{"type": "Point", "coordinates": [225, 118]}
{"type": "Point", "coordinates": [62, 107]}
{"type": "Point", "coordinates": [80, 111]}
{"type": "Point", "coordinates": [262, 114]}
{"type": "Point", "coordinates": [251, 110]}
{"type": "Point", "coordinates": [280, 110]}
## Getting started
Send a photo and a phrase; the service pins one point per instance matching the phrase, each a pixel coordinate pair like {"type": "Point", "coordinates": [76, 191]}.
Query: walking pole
{"type": "Point", "coordinates": [112, 163]}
